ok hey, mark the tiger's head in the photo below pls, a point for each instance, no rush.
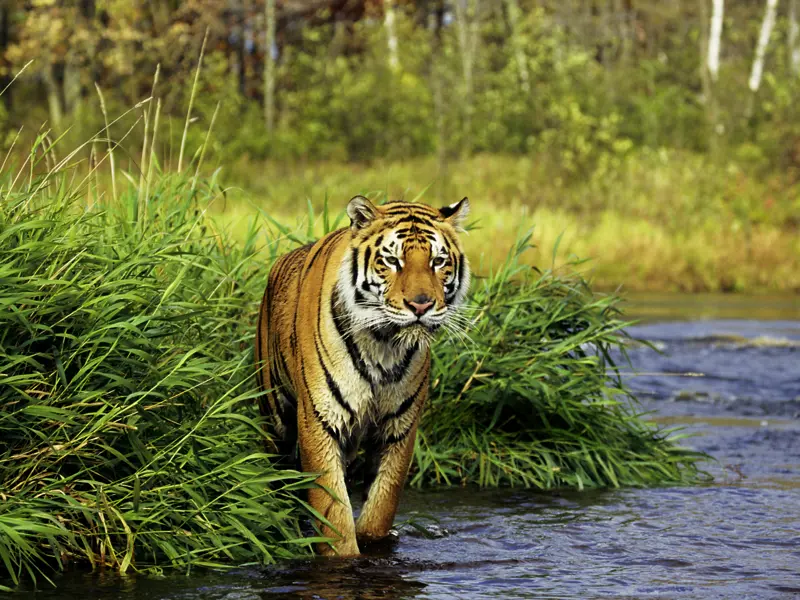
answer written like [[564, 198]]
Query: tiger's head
[[405, 274]]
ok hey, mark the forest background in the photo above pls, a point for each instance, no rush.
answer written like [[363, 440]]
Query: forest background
[[659, 138]]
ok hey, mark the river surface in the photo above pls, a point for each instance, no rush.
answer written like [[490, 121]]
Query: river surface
[[729, 374]]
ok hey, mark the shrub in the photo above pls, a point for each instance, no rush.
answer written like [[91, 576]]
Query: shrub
[[127, 392]]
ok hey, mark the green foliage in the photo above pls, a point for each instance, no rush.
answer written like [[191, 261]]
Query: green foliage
[[578, 86], [127, 410], [130, 437], [534, 398]]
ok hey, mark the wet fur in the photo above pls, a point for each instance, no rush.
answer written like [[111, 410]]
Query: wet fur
[[343, 358]]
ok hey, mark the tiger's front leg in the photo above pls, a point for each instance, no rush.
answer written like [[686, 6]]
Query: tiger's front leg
[[383, 495], [320, 452]]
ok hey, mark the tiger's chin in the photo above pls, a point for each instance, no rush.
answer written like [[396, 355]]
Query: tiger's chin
[[405, 335], [416, 333]]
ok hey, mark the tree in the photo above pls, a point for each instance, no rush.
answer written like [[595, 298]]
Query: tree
[[269, 66], [715, 36], [767, 26]]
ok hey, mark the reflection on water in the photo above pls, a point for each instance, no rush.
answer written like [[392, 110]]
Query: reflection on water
[[739, 537]]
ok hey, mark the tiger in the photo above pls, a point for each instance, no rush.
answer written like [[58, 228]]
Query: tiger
[[343, 354]]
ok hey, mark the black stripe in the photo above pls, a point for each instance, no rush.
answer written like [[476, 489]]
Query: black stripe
[[385, 333], [328, 429], [396, 373], [412, 208], [367, 256], [378, 240], [276, 400], [352, 348], [319, 312], [461, 270], [415, 219], [447, 244], [354, 266], [289, 396], [325, 425], [324, 244], [360, 297], [393, 439], [332, 386], [451, 294], [406, 404]]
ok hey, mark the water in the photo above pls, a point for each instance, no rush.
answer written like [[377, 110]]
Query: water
[[735, 383]]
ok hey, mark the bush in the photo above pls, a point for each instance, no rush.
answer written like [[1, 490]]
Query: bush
[[535, 397], [127, 398], [128, 421]]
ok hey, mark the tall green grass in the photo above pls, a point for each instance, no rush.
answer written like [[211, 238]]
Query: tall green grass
[[534, 397], [129, 433], [130, 437]]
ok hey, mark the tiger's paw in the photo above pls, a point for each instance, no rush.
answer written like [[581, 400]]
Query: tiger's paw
[[342, 549]]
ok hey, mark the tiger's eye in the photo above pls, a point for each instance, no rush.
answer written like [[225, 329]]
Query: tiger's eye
[[439, 261], [392, 262]]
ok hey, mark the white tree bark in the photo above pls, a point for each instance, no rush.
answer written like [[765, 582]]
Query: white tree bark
[[794, 33], [391, 33], [767, 26], [715, 36]]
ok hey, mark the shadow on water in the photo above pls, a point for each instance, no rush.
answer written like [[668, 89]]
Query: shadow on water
[[738, 537]]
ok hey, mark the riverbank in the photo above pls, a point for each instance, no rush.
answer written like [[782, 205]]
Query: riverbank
[[654, 221], [128, 394], [727, 539]]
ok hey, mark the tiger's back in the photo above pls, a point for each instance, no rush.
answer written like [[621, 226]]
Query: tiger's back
[[276, 317], [343, 352]]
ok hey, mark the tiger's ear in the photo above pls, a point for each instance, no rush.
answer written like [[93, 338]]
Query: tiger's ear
[[456, 214], [361, 212]]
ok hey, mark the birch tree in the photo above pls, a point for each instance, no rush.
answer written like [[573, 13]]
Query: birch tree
[[715, 36], [767, 26], [391, 33], [709, 101], [794, 32]]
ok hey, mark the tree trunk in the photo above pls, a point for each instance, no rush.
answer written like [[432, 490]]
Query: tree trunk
[[54, 102], [794, 32], [709, 100], [467, 27], [715, 37], [435, 22], [73, 87], [5, 30], [391, 33], [761, 49], [269, 68]]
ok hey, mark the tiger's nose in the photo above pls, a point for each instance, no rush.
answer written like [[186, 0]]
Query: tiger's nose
[[420, 304]]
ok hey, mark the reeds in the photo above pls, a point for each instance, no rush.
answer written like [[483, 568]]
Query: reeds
[[534, 397], [129, 436], [129, 433]]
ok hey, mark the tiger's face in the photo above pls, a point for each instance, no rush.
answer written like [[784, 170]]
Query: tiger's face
[[405, 275]]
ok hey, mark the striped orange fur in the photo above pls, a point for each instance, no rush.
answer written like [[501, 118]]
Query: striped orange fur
[[342, 349]]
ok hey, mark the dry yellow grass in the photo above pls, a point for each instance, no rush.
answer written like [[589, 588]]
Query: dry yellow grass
[[654, 223]]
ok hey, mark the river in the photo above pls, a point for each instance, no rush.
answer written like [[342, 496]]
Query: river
[[729, 373]]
